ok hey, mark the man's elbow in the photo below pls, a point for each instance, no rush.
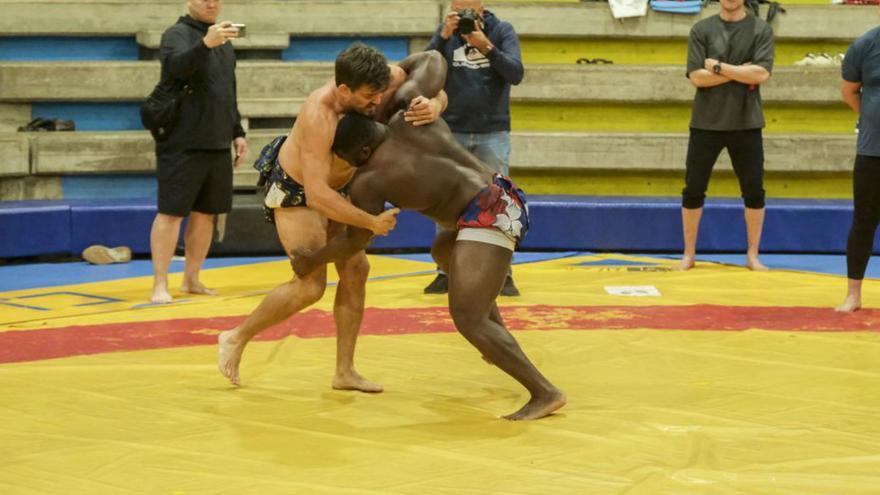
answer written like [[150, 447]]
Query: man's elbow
[[695, 80], [763, 76], [317, 201], [518, 76]]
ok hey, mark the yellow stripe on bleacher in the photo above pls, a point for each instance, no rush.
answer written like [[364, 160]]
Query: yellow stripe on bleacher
[[606, 117], [650, 51], [836, 185]]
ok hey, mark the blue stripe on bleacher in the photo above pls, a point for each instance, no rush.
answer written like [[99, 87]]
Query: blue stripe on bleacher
[[108, 186], [91, 116], [326, 49], [33, 48]]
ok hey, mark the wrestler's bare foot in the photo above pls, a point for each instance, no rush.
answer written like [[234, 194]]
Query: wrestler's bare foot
[[351, 380], [488, 361], [754, 264], [161, 294], [850, 304], [539, 406], [230, 350], [687, 262], [196, 287]]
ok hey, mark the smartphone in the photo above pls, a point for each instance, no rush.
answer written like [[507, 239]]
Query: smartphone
[[242, 29]]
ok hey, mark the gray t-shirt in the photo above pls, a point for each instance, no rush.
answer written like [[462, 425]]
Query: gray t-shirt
[[862, 65], [731, 106]]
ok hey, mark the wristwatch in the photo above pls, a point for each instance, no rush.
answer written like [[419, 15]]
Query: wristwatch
[[717, 68]]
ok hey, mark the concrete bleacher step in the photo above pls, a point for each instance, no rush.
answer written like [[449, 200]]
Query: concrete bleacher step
[[97, 152], [403, 18], [114, 81], [16, 155], [802, 22], [257, 40], [316, 18], [37, 228]]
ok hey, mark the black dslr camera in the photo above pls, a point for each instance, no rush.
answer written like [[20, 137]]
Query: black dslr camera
[[467, 21]]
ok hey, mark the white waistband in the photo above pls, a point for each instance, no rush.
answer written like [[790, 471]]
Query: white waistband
[[487, 236]]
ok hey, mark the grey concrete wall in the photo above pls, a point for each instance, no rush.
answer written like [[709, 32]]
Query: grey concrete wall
[[14, 115], [338, 17], [84, 152], [656, 84], [32, 187], [261, 80], [16, 155], [92, 152]]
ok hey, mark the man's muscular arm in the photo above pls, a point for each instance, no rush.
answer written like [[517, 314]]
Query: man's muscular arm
[[417, 85], [352, 240], [314, 142]]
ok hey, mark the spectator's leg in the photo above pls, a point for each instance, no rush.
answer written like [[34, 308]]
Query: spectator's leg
[[180, 179], [197, 241], [866, 216], [163, 240], [703, 150], [746, 149], [214, 198]]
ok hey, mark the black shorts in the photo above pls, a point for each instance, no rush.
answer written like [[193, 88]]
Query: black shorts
[[194, 180]]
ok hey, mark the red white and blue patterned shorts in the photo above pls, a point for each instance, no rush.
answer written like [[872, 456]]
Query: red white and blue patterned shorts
[[498, 214]]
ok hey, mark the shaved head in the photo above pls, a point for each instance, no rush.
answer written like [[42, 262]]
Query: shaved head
[[467, 4]]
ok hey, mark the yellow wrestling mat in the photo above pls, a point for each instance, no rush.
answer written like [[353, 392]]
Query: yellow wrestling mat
[[714, 381]]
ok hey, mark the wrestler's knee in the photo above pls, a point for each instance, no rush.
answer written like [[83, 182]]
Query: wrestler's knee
[[466, 317], [312, 288], [355, 270]]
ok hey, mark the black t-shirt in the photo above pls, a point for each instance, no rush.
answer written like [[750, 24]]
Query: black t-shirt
[[732, 106]]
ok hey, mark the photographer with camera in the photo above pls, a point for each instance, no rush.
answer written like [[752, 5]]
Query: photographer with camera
[[193, 115], [483, 57]]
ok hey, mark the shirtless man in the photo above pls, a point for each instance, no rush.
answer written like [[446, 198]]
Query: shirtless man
[[426, 170], [305, 203]]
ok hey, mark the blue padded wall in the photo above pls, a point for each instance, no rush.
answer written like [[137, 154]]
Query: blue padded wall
[[92, 116], [112, 223], [326, 49], [31, 228], [58, 48]]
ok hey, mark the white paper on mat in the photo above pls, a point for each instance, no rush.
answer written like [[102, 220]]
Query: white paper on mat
[[632, 290]]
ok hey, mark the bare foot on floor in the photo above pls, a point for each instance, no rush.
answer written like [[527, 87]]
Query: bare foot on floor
[[850, 304], [197, 288], [161, 295], [229, 356], [538, 407], [353, 381], [755, 264], [686, 263]]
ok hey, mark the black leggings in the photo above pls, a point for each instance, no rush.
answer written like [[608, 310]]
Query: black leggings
[[866, 215], [746, 150]]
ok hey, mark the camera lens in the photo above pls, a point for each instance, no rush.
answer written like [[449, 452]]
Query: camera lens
[[467, 21]]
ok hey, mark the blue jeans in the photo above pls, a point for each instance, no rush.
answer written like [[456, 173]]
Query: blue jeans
[[492, 148]]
